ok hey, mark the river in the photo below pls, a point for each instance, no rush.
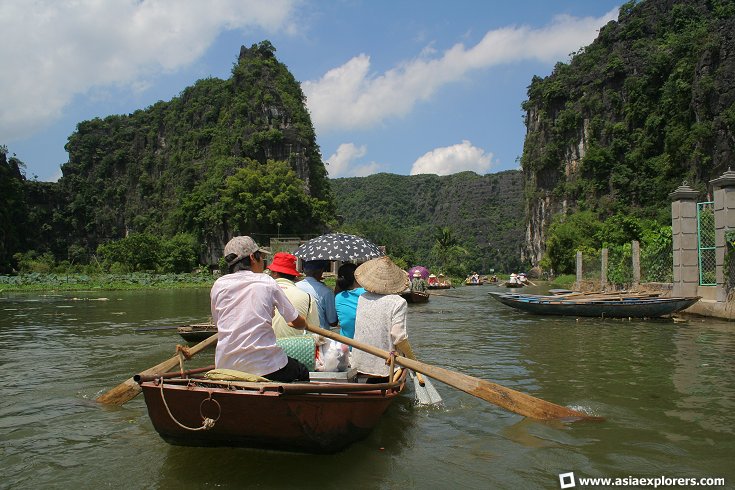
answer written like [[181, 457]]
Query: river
[[666, 390]]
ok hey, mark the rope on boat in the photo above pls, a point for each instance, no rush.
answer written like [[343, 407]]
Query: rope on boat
[[207, 422]]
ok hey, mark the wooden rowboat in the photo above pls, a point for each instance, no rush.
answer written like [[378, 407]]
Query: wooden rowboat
[[620, 306], [196, 332], [415, 296], [509, 284], [321, 416], [439, 286]]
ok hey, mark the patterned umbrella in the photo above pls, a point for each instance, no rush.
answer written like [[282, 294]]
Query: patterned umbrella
[[338, 246], [422, 270]]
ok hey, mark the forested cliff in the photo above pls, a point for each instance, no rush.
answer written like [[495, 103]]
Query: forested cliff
[[649, 104], [197, 164]]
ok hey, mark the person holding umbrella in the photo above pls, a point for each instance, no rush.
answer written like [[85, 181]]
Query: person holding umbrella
[[312, 284], [381, 316]]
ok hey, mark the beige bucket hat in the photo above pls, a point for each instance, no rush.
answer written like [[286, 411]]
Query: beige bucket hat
[[381, 276]]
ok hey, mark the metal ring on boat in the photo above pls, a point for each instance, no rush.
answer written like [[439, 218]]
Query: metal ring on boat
[[210, 399]]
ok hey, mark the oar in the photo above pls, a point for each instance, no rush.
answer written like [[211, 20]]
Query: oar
[[448, 295], [150, 329], [129, 389], [507, 398]]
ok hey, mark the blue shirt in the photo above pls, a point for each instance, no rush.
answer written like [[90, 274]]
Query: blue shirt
[[346, 303], [324, 299]]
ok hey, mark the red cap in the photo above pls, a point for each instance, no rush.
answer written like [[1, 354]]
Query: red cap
[[285, 263]]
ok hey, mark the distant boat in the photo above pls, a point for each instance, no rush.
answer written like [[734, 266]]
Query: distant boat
[[439, 286], [415, 296], [196, 332], [606, 306], [509, 284]]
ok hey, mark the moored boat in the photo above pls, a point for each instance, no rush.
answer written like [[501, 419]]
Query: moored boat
[[622, 306], [321, 416]]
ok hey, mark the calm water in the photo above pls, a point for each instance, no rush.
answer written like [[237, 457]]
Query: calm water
[[667, 391]]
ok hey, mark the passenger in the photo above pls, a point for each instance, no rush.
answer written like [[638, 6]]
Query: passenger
[[283, 270], [381, 317], [433, 281], [348, 291], [242, 304], [313, 285], [418, 283], [513, 278]]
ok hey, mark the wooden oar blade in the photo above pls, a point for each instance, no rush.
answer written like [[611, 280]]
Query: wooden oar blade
[[129, 389]]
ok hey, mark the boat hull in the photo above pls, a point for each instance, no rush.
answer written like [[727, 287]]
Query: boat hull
[[302, 422], [195, 333], [416, 297], [609, 308]]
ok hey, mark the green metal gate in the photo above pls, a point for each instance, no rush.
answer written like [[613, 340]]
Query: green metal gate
[[706, 243]]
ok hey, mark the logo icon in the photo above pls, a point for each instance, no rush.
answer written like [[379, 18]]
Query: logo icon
[[566, 480]]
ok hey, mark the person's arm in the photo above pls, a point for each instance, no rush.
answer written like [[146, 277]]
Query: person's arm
[[299, 323]]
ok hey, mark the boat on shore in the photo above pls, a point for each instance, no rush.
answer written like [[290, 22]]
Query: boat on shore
[[324, 415], [415, 296], [605, 306]]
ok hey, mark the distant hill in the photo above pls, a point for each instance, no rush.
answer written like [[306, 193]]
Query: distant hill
[[485, 212]]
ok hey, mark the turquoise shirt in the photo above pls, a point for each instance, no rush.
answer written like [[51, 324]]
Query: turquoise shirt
[[346, 304]]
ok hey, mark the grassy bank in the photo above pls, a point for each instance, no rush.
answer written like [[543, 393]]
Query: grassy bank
[[77, 282]]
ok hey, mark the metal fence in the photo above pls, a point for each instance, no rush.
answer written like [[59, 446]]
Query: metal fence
[[626, 266], [706, 243]]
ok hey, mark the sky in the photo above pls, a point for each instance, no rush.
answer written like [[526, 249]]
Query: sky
[[405, 87]]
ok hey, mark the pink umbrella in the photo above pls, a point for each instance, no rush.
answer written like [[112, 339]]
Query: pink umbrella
[[422, 270]]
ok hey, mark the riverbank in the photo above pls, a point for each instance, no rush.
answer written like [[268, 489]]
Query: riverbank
[[105, 282]]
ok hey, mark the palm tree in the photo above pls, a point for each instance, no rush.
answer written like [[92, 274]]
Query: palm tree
[[445, 246]]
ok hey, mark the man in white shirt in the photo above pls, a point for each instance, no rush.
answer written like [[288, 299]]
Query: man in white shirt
[[313, 285], [242, 303]]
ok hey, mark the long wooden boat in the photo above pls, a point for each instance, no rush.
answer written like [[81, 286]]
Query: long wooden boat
[[415, 296], [321, 416], [509, 284], [621, 306], [196, 332], [470, 283]]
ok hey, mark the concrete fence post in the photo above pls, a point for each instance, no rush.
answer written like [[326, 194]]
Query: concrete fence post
[[603, 270], [636, 259], [684, 241], [579, 270]]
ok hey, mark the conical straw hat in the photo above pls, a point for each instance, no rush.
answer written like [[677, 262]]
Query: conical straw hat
[[381, 276]]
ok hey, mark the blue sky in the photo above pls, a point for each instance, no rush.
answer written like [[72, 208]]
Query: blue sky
[[392, 86]]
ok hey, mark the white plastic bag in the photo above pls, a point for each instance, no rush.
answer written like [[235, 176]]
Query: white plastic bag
[[333, 356]]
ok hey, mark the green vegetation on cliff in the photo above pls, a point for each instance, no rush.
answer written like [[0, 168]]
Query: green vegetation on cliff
[[187, 166], [421, 217], [647, 105]]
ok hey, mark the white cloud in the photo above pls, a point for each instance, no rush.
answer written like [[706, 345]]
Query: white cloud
[[352, 97], [453, 159], [62, 49], [343, 162]]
